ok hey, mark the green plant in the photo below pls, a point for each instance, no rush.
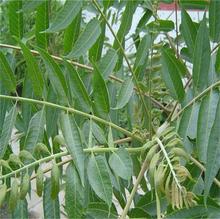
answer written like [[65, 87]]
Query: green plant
[[123, 131]]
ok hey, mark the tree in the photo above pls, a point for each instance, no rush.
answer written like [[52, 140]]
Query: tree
[[133, 128]]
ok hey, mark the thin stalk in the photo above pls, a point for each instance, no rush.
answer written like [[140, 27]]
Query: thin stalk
[[125, 57], [168, 162], [72, 110]]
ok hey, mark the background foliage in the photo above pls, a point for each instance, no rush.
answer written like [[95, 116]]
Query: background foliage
[[127, 126]]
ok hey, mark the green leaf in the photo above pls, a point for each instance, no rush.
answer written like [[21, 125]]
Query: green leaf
[[99, 178], [170, 73], [7, 128], [7, 76], [35, 131], [74, 194], [31, 5], [21, 210], [214, 20], [194, 4], [86, 39], [107, 63], [205, 122], [100, 95], [56, 76], [125, 93], [161, 25], [71, 33], [51, 207], [65, 17], [201, 59], [121, 162], [78, 89], [34, 71], [99, 210], [15, 18], [188, 30], [72, 137], [217, 62], [213, 153], [41, 24]]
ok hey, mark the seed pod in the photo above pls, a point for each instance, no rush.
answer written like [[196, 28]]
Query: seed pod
[[14, 195], [152, 166], [39, 182], [151, 153], [24, 186], [180, 152], [167, 188], [14, 159], [55, 181], [3, 191], [180, 199], [5, 164], [25, 155], [173, 195], [41, 148], [174, 142]]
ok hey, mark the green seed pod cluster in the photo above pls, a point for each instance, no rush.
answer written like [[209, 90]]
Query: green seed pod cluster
[[24, 187], [39, 182]]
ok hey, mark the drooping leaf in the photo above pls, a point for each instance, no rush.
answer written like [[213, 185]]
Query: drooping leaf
[[99, 178], [78, 89], [205, 122], [65, 17], [42, 23], [86, 39], [121, 162], [213, 153], [217, 62], [51, 207], [125, 93], [7, 128], [21, 210], [74, 193], [100, 210], [201, 59], [100, 95], [35, 130], [33, 70], [7, 76], [188, 30], [214, 20], [15, 18], [56, 76], [72, 138], [171, 76], [107, 63], [71, 33]]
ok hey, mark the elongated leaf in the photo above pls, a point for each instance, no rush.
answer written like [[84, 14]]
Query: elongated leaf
[[35, 130], [107, 63], [15, 18], [7, 76], [86, 39], [100, 210], [217, 62], [100, 95], [205, 122], [34, 71], [142, 53], [121, 159], [194, 4], [42, 23], [78, 89], [161, 25], [7, 130], [31, 5], [51, 207], [125, 93], [188, 30], [72, 137], [99, 178], [71, 33], [65, 17], [201, 59], [213, 153], [214, 20], [75, 194], [21, 210], [171, 75], [56, 76]]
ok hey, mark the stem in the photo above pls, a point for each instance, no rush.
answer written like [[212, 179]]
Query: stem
[[125, 57], [69, 109], [168, 162], [134, 190]]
